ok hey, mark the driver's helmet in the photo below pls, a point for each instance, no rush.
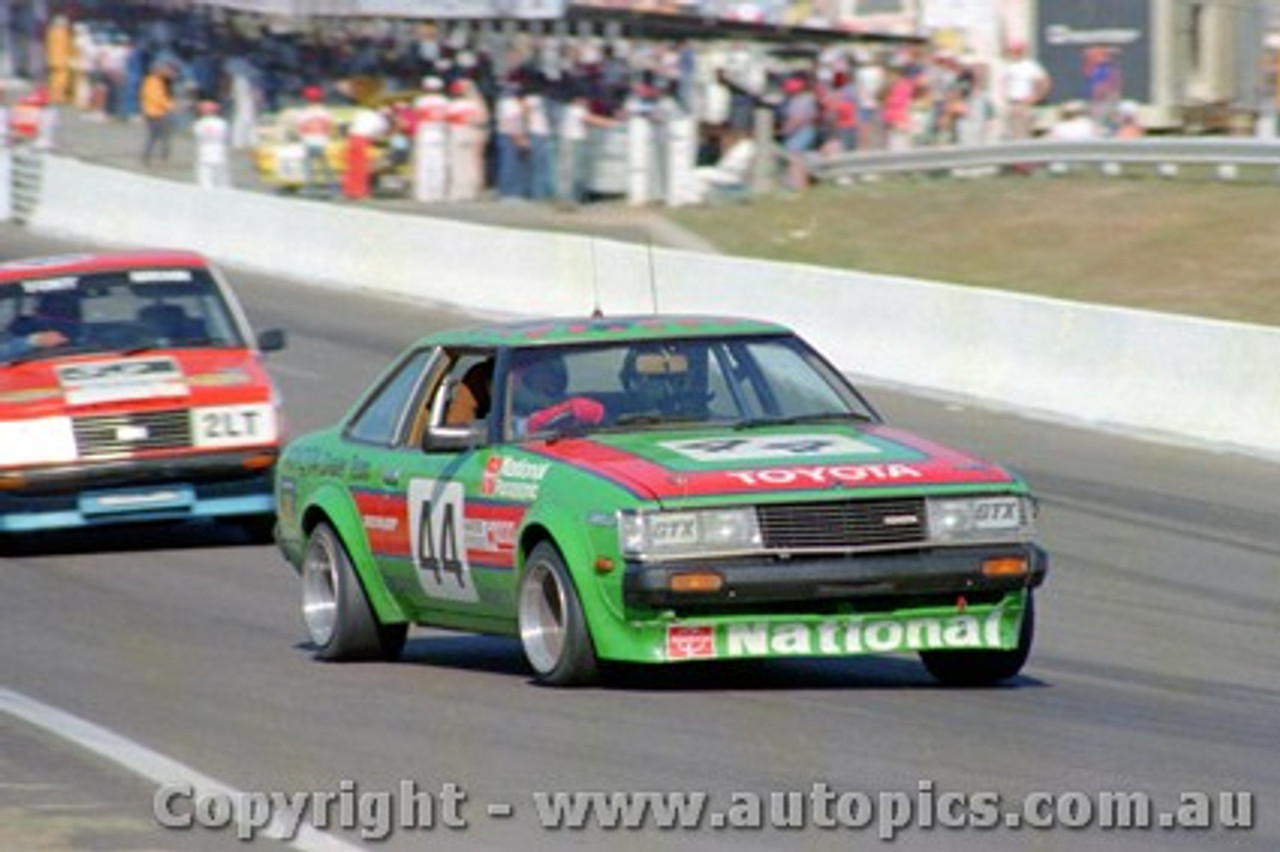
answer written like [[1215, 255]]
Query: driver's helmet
[[539, 379], [658, 377], [58, 310]]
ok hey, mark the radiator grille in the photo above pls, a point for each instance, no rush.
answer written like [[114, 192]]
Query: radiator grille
[[122, 434], [842, 525]]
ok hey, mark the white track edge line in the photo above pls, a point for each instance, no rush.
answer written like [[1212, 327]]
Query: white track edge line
[[154, 766]]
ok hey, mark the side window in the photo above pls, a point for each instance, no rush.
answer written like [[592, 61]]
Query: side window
[[379, 422], [463, 397]]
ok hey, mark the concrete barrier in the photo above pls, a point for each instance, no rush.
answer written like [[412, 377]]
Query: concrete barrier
[[1176, 377]]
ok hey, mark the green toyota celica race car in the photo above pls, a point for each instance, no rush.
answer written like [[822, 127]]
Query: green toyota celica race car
[[651, 489]]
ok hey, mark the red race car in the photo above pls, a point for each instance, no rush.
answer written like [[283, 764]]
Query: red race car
[[132, 389]]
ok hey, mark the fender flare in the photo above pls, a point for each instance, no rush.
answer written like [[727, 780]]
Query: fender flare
[[333, 504]]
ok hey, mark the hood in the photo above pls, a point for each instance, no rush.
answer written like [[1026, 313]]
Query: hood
[[774, 463], [108, 383]]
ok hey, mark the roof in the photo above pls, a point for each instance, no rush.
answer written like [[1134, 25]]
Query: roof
[[662, 25], [570, 330], [79, 264]]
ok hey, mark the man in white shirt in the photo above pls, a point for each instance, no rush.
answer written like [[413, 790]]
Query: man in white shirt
[[576, 122], [430, 142], [313, 125], [211, 134], [1026, 84]]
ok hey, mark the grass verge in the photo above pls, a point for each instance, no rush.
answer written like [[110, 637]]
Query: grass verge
[[1191, 245]]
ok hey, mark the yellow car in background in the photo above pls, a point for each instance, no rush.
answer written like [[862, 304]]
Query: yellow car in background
[[279, 157]]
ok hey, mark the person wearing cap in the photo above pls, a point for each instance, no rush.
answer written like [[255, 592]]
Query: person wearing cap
[[468, 122], [1129, 125], [212, 134], [1026, 84], [55, 321], [157, 109], [313, 126], [430, 142], [799, 129]]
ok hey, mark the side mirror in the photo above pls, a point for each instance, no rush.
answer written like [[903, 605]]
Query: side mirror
[[453, 438], [272, 340]]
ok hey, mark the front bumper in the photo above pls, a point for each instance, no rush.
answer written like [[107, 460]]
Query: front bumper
[[174, 487], [868, 581], [907, 628]]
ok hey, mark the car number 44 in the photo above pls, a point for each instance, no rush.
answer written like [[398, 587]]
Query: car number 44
[[439, 550]]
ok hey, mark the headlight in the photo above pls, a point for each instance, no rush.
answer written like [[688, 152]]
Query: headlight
[[46, 440], [958, 519], [695, 533]]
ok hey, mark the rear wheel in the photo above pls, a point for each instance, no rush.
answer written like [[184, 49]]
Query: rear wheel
[[983, 668], [553, 629], [337, 614]]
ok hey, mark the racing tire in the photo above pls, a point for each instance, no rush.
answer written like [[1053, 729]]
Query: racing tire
[[553, 629], [984, 668], [337, 614]]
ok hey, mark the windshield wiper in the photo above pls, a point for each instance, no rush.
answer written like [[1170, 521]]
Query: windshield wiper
[[45, 353], [182, 343], [796, 419], [640, 418]]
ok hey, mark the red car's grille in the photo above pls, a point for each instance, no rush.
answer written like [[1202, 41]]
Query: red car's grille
[[842, 525], [122, 434]]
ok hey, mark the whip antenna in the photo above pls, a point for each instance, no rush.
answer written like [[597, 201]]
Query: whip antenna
[[653, 279], [596, 310]]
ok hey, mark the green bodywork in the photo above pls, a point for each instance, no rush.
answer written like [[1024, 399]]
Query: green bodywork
[[490, 504]]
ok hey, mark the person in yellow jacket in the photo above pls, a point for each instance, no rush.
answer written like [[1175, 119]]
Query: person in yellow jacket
[[157, 108], [59, 47]]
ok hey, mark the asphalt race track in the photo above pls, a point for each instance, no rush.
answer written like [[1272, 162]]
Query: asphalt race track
[[1155, 669]]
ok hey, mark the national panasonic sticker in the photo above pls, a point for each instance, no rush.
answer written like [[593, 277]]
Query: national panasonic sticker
[[512, 478], [832, 637]]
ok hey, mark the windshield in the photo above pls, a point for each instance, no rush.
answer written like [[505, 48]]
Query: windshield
[[739, 381], [127, 311]]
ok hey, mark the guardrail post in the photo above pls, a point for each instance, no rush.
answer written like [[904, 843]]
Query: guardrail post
[[27, 166], [6, 182], [763, 168]]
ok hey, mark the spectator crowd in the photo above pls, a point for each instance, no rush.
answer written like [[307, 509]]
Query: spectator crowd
[[467, 110]]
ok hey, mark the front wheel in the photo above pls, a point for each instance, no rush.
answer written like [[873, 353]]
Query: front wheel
[[983, 668], [339, 619], [553, 629]]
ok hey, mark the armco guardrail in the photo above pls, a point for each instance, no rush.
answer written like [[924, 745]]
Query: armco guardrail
[[27, 164], [1157, 152], [1180, 377]]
